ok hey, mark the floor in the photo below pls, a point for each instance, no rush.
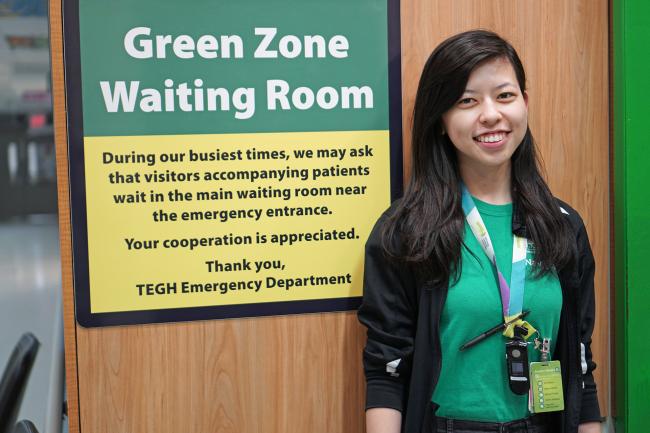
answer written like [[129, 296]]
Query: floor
[[30, 301]]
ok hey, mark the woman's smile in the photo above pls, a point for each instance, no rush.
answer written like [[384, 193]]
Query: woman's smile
[[492, 140]]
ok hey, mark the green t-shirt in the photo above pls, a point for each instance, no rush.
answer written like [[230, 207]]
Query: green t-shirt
[[473, 384]]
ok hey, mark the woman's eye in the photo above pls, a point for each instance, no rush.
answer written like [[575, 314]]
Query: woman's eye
[[465, 101], [506, 95]]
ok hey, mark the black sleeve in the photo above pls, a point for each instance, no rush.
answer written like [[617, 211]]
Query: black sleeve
[[589, 410], [389, 312]]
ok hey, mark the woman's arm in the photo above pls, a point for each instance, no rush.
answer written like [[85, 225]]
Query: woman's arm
[[589, 411], [385, 420], [588, 427], [388, 311]]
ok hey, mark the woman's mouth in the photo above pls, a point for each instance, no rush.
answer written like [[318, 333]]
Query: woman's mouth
[[491, 140]]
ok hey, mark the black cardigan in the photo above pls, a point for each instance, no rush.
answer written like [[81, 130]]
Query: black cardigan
[[402, 314]]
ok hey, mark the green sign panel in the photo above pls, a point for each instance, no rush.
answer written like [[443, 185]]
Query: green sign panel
[[228, 158]]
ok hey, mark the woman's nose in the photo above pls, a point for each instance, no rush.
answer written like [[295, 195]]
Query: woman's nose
[[489, 113]]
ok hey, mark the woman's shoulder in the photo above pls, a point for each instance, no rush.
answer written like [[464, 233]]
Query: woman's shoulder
[[392, 208], [380, 224], [571, 214], [577, 227], [388, 213]]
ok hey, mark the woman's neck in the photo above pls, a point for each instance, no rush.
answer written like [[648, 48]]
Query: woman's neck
[[489, 184]]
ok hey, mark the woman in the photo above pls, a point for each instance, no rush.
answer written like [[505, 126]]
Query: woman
[[477, 241]]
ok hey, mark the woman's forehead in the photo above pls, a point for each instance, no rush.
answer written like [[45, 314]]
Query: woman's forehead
[[493, 74]]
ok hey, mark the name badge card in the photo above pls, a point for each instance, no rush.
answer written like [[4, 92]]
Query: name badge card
[[546, 387]]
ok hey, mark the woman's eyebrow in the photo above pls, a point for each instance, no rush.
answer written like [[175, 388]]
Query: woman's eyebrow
[[500, 86], [506, 84]]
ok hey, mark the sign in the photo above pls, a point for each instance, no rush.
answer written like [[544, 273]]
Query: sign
[[228, 158]]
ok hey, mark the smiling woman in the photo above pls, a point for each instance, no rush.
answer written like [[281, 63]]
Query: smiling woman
[[477, 240]]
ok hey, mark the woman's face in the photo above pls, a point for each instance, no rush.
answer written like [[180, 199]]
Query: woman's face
[[490, 119]]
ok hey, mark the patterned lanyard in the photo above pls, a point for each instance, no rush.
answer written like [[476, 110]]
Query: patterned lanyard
[[512, 296]]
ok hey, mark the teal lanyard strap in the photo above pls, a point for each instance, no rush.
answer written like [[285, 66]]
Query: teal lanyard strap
[[512, 296]]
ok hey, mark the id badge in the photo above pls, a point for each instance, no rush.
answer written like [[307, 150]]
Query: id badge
[[546, 387]]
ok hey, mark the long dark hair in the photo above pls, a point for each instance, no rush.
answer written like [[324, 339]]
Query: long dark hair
[[429, 219]]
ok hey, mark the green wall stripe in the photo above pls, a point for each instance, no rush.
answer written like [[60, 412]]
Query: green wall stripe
[[631, 21]]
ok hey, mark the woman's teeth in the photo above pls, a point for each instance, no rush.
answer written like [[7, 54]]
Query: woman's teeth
[[490, 138]]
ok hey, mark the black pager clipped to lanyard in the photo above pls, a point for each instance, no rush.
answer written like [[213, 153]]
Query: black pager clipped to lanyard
[[517, 360]]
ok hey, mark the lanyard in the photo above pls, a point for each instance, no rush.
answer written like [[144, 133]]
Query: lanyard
[[512, 296]]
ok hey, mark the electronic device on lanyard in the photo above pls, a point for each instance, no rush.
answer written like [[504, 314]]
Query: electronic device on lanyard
[[517, 361]]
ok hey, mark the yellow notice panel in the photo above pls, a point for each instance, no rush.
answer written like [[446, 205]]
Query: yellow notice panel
[[177, 221]]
